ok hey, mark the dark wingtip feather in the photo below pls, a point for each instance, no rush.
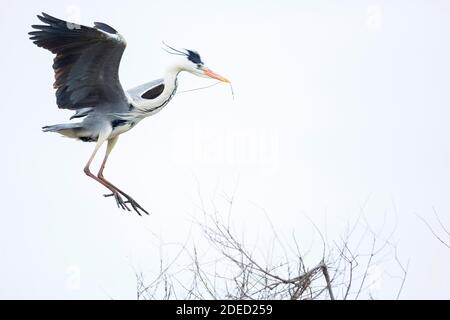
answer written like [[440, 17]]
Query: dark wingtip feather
[[43, 19], [39, 27], [51, 18], [104, 27]]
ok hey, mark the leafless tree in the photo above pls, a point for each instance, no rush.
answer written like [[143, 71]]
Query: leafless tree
[[231, 269], [441, 233]]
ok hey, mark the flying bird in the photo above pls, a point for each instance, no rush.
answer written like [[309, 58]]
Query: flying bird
[[86, 68]]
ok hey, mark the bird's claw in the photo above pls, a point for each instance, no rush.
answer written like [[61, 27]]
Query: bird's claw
[[136, 206], [123, 204]]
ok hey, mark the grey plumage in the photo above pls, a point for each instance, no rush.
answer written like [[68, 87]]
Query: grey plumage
[[80, 113], [68, 129]]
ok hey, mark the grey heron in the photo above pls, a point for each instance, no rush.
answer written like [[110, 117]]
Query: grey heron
[[86, 69]]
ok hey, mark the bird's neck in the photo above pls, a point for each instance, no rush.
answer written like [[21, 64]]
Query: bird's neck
[[170, 84], [152, 106]]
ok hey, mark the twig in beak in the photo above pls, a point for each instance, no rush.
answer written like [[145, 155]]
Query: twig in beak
[[232, 91]]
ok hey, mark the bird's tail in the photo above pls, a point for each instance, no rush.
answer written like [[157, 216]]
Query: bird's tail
[[66, 129], [58, 127]]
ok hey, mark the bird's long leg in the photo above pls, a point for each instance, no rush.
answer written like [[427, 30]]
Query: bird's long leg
[[111, 143], [101, 139]]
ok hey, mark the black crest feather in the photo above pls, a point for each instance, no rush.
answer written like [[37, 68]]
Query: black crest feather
[[194, 57]]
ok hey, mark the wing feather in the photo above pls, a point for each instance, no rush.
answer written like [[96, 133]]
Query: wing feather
[[86, 65]]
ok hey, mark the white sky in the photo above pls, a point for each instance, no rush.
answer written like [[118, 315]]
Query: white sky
[[337, 104]]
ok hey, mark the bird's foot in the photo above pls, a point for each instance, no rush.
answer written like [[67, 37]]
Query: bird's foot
[[129, 200], [119, 200]]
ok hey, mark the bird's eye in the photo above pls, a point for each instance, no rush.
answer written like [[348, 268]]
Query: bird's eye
[[199, 65]]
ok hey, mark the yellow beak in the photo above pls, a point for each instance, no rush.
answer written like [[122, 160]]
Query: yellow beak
[[211, 74]]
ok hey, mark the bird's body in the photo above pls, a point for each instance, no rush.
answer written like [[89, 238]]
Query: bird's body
[[157, 95], [87, 81]]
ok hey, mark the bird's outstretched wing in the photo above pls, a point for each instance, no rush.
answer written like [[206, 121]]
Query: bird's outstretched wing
[[86, 64]]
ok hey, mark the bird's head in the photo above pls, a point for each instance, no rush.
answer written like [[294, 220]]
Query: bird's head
[[192, 62]]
